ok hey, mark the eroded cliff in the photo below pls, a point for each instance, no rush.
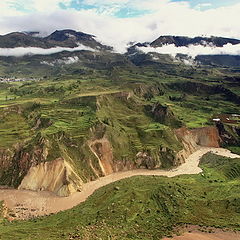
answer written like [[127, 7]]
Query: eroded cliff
[[192, 139], [56, 176]]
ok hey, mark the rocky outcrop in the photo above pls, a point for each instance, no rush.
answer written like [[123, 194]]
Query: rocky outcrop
[[56, 176], [148, 92], [145, 160], [164, 157], [229, 134], [162, 114]]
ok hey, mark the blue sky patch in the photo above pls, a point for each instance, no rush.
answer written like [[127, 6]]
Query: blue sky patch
[[77, 4], [127, 10], [19, 6], [114, 9], [130, 12]]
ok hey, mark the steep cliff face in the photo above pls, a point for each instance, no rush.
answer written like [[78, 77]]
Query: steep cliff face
[[192, 139], [56, 176], [101, 145], [36, 166], [102, 149], [16, 162], [206, 136]]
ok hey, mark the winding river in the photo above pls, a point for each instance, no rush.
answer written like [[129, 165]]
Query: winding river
[[25, 203]]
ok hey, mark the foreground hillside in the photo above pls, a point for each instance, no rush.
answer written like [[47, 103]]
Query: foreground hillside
[[145, 207]]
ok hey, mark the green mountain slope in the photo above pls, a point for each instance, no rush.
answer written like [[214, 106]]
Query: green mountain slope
[[109, 120]]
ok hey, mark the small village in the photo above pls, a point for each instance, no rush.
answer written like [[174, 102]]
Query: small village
[[6, 79]]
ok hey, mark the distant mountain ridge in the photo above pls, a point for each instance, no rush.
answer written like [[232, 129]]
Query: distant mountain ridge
[[63, 38], [141, 58], [180, 41], [102, 55], [71, 38]]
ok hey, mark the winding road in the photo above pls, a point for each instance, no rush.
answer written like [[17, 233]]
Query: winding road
[[25, 204]]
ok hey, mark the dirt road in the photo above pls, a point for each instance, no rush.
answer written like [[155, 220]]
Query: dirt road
[[25, 203]]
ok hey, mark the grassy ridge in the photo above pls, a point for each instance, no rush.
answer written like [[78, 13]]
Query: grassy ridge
[[144, 207]]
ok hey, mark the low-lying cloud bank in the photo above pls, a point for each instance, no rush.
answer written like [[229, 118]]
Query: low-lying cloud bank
[[194, 50], [66, 60], [21, 51]]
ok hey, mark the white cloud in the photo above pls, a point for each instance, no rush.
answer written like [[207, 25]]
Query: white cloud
[[66, 60], [203, 5], [166, 18], [21, 51], [194, 50]]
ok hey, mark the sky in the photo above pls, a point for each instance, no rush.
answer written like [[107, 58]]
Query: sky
[[118, 22]]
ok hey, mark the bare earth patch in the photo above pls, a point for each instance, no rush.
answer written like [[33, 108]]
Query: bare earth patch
[[197, 233]]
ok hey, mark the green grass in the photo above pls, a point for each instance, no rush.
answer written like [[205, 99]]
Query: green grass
[[234, 149], [13, 128]]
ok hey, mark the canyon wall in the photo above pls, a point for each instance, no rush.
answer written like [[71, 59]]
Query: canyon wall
[[194, 138]]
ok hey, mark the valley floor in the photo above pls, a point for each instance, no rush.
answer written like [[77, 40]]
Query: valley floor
[[26, 204]]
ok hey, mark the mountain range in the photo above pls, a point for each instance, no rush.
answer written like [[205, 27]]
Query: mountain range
[[71, 38], [71, 47]]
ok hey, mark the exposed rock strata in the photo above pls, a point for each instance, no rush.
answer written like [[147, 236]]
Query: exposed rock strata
[[56, 176], [192, 139], [102, 149]]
